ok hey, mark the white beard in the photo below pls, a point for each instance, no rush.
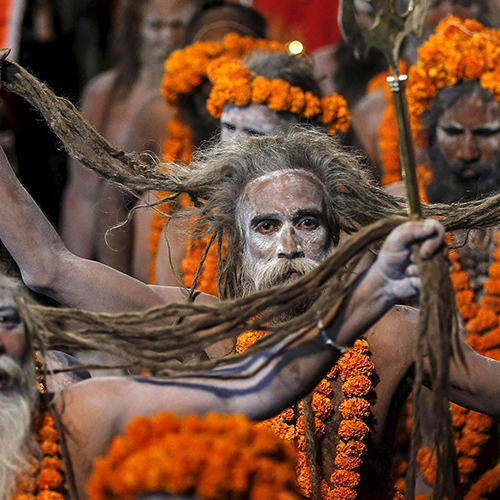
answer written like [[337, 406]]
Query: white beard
[[257, 277], [16, 409]]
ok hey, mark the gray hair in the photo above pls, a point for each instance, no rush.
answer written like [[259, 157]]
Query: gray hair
[[217, 177]]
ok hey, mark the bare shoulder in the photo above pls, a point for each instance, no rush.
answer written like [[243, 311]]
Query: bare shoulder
[[147, 129], [178, 294], [86, 398], [95, 95], [90, 413], [393, 337], [100, 84]]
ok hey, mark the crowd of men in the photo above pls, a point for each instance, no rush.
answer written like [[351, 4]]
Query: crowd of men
[[242, 224]]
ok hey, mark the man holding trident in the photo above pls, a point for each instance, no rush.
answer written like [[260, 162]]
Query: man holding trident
[[438, 325]]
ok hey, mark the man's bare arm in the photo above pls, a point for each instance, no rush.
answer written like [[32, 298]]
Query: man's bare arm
[[48, 267], [475, 384]]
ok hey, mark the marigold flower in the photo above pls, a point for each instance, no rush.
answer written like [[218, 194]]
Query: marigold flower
[[49, 495], [344, 494], [348, 463], [357, 386], [351, 448], [353, 429], [49, 479], [345, 478], [352, 364], [49, 448], [355, 408]]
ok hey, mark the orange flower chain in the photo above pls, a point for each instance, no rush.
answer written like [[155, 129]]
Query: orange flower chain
[[186, 69], [44, 480], [355, 369], [235, 84], [215, 456], [177, 147]]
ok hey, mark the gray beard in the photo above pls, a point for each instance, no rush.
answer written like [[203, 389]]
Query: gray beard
[[257, 277], [17, 403]]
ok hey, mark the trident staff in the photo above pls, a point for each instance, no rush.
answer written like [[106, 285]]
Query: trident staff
[[394, 20]]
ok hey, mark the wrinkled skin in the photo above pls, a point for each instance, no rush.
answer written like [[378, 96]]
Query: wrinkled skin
[[466, 157]]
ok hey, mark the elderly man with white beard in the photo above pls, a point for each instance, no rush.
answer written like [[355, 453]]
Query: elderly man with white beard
[[284, 201]]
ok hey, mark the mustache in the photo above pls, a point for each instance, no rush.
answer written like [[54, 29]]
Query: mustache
[[278, 271], [479, 169]]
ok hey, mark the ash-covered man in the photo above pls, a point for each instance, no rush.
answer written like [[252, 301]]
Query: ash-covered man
[[94, 411], [279, 202], [149, 31]]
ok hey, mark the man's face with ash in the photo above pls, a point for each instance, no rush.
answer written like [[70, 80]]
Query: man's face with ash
[[17, 392], [466, 158], [255, 119], [163, 27], [283, 222]]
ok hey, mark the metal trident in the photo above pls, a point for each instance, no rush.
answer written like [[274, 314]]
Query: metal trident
[[394, 19]]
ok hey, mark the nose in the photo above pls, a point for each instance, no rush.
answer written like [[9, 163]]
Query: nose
[[289, 247], [468, 150]]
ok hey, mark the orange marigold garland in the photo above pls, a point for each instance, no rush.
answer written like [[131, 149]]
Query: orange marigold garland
[[472, 429], [215, 456], [186, 69], [43, 479], [355, 369], [177, 147], [233, 83]]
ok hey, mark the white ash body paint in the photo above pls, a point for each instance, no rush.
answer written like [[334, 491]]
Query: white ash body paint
[[254, 119], [285, 235]]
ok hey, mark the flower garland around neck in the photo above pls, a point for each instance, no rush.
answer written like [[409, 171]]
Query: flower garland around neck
[[355, 369], [233, 83], [43, 479], [185, 70], [214, 456], [458, 51]]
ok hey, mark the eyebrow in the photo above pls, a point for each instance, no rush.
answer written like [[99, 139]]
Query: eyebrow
[[296, 215], [252, 131], [260, 217], [491, 127], [307, 211]]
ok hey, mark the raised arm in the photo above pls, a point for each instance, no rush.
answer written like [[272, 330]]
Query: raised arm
[[48, 267]]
